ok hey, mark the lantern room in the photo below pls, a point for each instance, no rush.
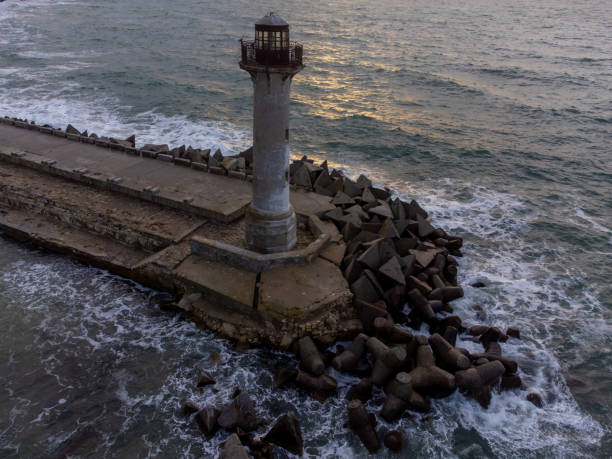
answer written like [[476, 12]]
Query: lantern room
[[271, 33], [271, 46]]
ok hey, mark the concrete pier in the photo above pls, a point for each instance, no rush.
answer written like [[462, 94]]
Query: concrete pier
[[174, 228]]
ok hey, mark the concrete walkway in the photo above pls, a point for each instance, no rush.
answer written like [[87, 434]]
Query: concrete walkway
[[96, 205], [214, 196]]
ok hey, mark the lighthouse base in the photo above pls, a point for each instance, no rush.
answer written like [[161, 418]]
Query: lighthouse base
[[266, 234]]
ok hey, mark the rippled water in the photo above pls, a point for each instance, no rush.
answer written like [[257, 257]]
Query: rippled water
[[497, 116]]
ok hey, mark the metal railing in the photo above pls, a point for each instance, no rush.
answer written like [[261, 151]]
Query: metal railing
[[290, 56]]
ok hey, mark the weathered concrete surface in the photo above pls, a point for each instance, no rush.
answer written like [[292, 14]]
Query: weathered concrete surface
[[222, 283], [300, 290], [234, 255], [313, 304], [150, 243], [128, 220], [82, 245], [209, 195], [216, 196], [334, 253], [306, 204]]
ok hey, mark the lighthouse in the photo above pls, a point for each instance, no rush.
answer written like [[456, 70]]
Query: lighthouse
[[272, 61]]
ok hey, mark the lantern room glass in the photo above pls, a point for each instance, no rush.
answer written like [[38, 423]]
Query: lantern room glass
[[271, 40]]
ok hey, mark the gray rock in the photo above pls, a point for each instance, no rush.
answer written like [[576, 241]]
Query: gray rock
[[380, 193], [218, 155], [419, 403], [392, 270], [247, 155], [284, 377], [368, 312], [233, 449], [70, 129], [207, 421], [415, 210], [350, 231], [335, 215], [398, 209], [240, 412], [360, 423], [310, 357], [372, 257], [361, 391], [425, 228], [513, 332], [178, 152], [301, 176], [363, 182], [383, 210], [322, 183], [190, 407], [536, 399], [367, 196], [358, 211], [393, 440], [363, 290], [205, 379], [374, 280], [420, 305], [156, 147], [349, 358], [313, 170], [212, 162], [287, 434], [229, 164], [317, 384], [342, 199], [351, 188], [388, 229], [449, 357], [424, 257], [350, 218]]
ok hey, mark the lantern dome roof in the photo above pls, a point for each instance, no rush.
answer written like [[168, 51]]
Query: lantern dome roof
[[272, 19]]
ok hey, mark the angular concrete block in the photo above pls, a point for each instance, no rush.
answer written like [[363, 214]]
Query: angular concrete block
[[182, 162], [225, 284], [164, 157], [298, 291]]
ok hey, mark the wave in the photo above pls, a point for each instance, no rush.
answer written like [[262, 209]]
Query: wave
[[107, 117]]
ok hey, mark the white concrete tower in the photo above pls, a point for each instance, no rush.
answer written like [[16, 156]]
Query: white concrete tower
[[272, 61]]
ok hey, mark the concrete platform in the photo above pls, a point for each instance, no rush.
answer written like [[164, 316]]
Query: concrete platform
[[223, 284], [48, 198], [209, 195], [300, 291], [82, 245]]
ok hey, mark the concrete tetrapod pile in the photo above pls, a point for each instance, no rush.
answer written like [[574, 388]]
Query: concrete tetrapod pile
[[240, 418], [403, 274]]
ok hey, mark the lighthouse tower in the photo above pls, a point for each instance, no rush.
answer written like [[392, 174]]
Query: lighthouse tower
[[272, 61]]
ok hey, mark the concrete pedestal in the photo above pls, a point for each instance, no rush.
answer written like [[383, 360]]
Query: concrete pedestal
[[271, 234]]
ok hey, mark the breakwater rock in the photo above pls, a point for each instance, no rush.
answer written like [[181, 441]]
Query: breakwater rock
[[400, 269]]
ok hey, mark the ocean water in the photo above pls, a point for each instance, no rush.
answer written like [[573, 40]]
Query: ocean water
[[496, 116]]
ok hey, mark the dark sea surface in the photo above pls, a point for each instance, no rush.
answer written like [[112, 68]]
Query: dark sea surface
[[496, 116]]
